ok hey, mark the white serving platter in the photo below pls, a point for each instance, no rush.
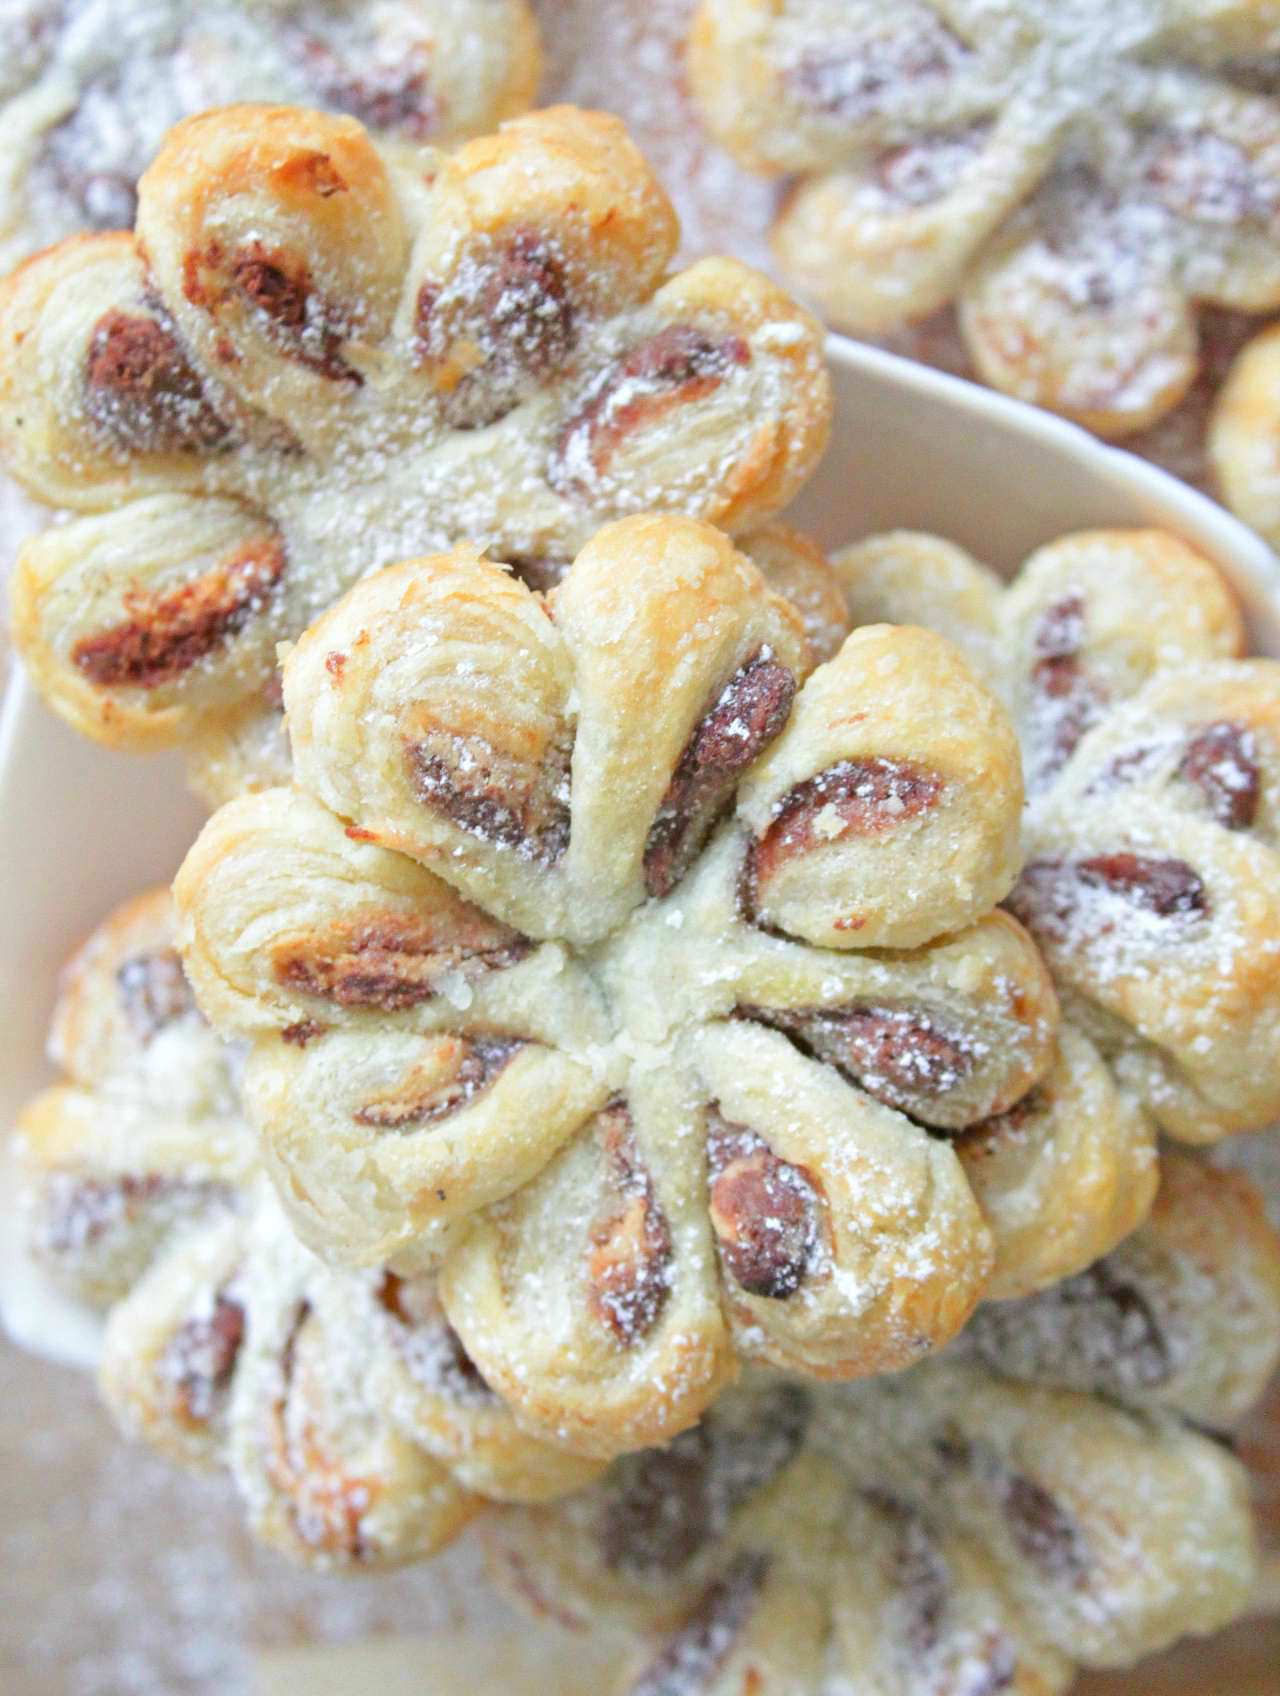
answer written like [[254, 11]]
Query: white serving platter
[[82, 828]]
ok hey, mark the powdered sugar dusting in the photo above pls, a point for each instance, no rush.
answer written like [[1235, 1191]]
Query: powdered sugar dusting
[[134, 1579], [109, 77], [629, 58]]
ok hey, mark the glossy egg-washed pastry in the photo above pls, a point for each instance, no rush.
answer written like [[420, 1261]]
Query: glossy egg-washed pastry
[[1078, 179], [1152, 839], [316, 356], [1057, 1490], [89, 87], [611, 958], [357, 1429]]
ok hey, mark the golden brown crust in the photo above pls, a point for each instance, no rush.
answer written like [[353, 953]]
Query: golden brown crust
[[1185, 1313], [142, 1140], [135, 633], [601, 1364], [272, 313], [1163, 926], [119, 991], [1094, 616], [1065, 1174], [245, 751], [353, 936], [359, 1430], [941, 161], [835, 1274], [86, 101], [908, 577], [63, 439], [547, 817], [869, 776], [512, 822], [1151, 758], [795, 567], [1041, 1501], [317, 356], [1243, 435], [958, 1517]]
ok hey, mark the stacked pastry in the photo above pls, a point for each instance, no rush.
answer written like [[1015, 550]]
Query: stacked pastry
[[88, 88], [1058, 1489], [485, 889], [1151, 748], [356, 1427], [312, 360], [614, 1030], [1057, 1493], [1076, 182]]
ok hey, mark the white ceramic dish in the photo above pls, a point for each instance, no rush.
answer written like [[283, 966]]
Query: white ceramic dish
[[80, 828]]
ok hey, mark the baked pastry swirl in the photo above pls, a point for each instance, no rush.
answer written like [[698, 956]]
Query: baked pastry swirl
[[316, 356], [1152, 751], [250, 748], [1244, 435], [1077, 179], [89, 87], [357, 1429], [143, 1135], [1061, 1492], [609, 957]]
